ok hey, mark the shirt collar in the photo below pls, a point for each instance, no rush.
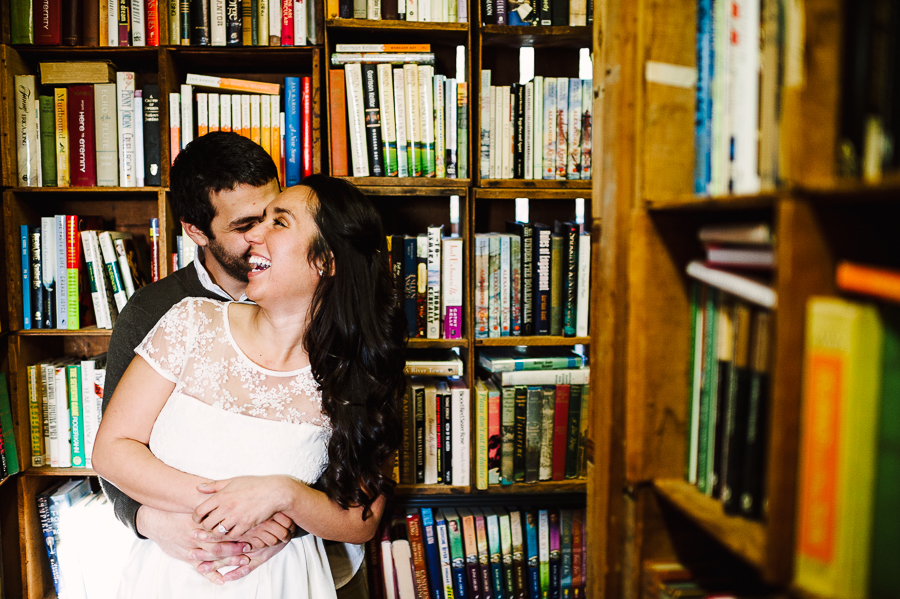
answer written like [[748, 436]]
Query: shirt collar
[[206, 280]]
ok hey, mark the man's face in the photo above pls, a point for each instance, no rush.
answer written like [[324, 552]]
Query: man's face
[[237, 211]]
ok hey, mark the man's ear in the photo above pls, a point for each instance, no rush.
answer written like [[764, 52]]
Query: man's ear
[[198, 236]]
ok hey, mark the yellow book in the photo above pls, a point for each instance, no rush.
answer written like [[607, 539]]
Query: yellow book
[[245, 116], [61, 102], [35, 416], [481, 435], [276, 135], [838, 436], [254, 118], [265, 124]]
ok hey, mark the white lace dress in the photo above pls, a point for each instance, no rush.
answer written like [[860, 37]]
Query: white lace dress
[[227, 417]]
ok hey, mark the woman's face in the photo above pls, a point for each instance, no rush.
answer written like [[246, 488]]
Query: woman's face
[[279, 249]]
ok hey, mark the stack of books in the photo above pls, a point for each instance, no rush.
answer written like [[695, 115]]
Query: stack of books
[[399, 118], [479, 552], [59, 289], [137, 23], [539, 130], [574, 13], [436, 11], [9, 456], [532, 281], [65, 397], [740, 245], [531, 416], [428, 272], [285, 133], [103, 134]]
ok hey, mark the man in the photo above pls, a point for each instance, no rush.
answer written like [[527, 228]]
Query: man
[[220, 184]]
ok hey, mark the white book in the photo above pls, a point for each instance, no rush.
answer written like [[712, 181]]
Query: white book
[[412, 10], [440, 143], [187, 114], [749, 289], [94, 262], [433, 311], [576, 376], [537, 132], [138, 24], [505, 285], [63, 418], [424, 10], [125, 111], [506, 133], [175, 123], [445, 10], [255, 121], [545, 464], [122, 257], [217, 22], [300, 24], [451, 105], [452, 286], [431, 433], [214, 111], [462, 11], [139, 138], [744, 93], [106, 134], [29, 158], [496, 161], [111, 263], [437, 11], [443, 544], [225, 112], [573, 155], [549, 128], [562, 118], [402, 557], [274, 21], [577, 13], [493, 273], [485, 102], [373, 10], [403, 140], [583, 300], [90, 409], [426, 117], [387, 111], [482, 287], [387, 566], [543, 536], [236, 113], [356, 125], [459, 404], [36, 135], [587, 127], [529, 130], [112, 28], [246, 120], [265, 124], [413, 118]]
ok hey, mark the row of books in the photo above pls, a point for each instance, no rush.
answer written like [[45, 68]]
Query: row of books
[[137, 23], [428, 272], [539, 130], [739, 245], [454, 553], [9, 455], [574, 13], [65, 397], [86, 546], [399, 121], [531, 281], [104, 135], [666, 579], [849, 472], [62, 291], [437, 11], [282, 125]]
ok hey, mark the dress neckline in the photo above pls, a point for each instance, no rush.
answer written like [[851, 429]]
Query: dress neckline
[[240, 352]]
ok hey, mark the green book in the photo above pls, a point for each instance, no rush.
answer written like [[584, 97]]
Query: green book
[[174, 23], [48, 141], [11, 456], [581, 453], [557, 251], [533, 420], [708, 393], [21, 17], [76, 408], [254, 22], [455, 540], [521, 407], [544, 551], [883, 580], [572, 429], [693, 414]]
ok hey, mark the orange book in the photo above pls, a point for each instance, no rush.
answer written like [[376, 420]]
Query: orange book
[[869, 280], [338, 123], [174, 125], [414, 530], [238, 85]]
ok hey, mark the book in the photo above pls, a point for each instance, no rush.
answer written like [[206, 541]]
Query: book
[[440, 362], [417, 547], [868, 280], [457, 553], [560, 431], [736, 412], [47, 118], [533, 430], [519, 555], [460, 429], [82, 169], [452, 287], [470, 547], [481, 435], [356, 120], [578, 376], [60, 99], [293, 165], [740, 257], [404, 141], [49, 273], [126, 128], [231, 84], [433, 297], [112, 269], [542, 280], [754, 457], [532, 553], [433, 561], [522, 358], [741, 286], [7, 434], [386, 119], [494, 432], [737, 233], [484, 559], [27, 141], [548, 407]]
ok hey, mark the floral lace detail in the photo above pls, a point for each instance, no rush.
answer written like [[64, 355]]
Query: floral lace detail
[[192, 346]]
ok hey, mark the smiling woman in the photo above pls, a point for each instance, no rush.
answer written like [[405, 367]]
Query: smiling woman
[[306, 378]]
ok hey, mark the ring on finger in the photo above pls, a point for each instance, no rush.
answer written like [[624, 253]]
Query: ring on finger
[[222, 529]]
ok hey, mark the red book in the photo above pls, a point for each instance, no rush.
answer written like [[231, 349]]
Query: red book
[[48, 23], [82, 153], [417, 547], [152, 17], [338, 116], [306, 125], [560, 428], [124, 9], [287, 22], [577, 540]]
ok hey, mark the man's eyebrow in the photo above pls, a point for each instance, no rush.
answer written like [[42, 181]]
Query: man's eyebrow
[[240, 222]]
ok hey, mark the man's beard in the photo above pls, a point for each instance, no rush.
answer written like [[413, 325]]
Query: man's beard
[[237, 267]]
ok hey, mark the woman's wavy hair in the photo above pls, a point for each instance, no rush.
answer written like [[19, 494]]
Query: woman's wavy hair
[[356, 340]]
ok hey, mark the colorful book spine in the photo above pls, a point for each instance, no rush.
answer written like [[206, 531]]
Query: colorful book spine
[[452, 286], [126, 128], [293, 160], [433, 321], [387, 114], [25, 244]]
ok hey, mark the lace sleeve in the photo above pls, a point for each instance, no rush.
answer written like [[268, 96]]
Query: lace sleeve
[[166, 346]]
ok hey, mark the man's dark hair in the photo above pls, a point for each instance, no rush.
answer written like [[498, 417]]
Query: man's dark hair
[[212, 163]]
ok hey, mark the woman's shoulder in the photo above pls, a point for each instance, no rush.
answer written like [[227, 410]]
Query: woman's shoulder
[[196, 305]]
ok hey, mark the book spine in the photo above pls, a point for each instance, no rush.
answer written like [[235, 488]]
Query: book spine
[[537, 129], [481, 436], [106, 134], [234, 34], [108, 252], [560, 416], [413, 119], [421, 285], [262, 20], [446, 435], [403, 139], [515, 266], [126, 128], [90, 264], [506, 130], [533, 428], [34, 415], [432, 560], [462, 133], [124, 22], [494, 436], [753, 467], [485, 108], [426, 107], [507, 433], [49, 275], [63, 420], [414, 528], [549, 127], [482, 275], [73, 266], [62, 276], [247, 124], [43, 502], [572, 429], [432, 451], [287, 23], [443, 542], [60, 96], [152, 167], [138, 25], [440, 142], [451, 113], [570, 280], [583, 285], [75, 415], [48, 23], [217, 23], [410, 291], [542, 280], [521, 422], [461, 434], [174, 125], [37, 283], [548, 403], [274, 22], [293, 160], [433, 322], [387, 112], [557, 250], [573, 155], [493, 285], [22, 22], [561, 127], [452, 292], [373, 120], [419, 419], [505, 282], [81, 127], [48, 142], [306, 124], [27, 142], [529, 148], [25, 245], [356, 117]]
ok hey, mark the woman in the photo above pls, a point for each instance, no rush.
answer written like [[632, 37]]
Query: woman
[[301, 386]]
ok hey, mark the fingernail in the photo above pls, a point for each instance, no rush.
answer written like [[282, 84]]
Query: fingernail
[[219, 581], [192, 555], [247, 548], [200, 535], [245, 560]]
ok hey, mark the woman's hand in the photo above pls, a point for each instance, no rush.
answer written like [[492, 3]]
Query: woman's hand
[[240, 504]]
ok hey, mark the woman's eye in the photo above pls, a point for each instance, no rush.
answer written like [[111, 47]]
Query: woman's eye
[[280, 222]]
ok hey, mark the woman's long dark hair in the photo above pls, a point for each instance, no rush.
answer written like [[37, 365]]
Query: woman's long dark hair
[[356, 340]]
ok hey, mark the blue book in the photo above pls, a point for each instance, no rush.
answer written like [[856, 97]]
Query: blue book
[[50, 504], [703, 109], [410, 278], [26, 278], [292, 131], [432, 560], [531, 543]]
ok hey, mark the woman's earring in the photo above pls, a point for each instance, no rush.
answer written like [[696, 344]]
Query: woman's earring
[[321, 272]]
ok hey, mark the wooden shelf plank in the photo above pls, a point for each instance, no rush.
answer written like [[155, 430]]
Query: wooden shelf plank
[[406, 490], [533, 340], [549, 486], [535, 184], [88, 332], [411, 182], [507, 193], [537, 37], [745, 538], [692, 202], [412, 190], [48, 471], [153, 190], [439, 343], [401, 25]]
